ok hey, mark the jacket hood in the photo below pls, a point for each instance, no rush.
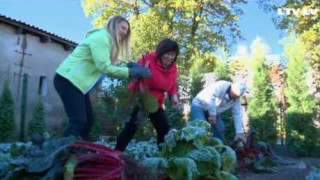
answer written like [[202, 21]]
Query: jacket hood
[[159, 65]]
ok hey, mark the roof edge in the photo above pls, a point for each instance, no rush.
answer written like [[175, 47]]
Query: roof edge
[[37, 31]]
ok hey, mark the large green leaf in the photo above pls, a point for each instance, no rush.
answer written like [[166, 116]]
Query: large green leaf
[[69, 168], [204, 140], [199, 123], [36, 160], [190, 133], [191, 154], [182, 168], [143, 149], [149, 102], [155, 163], [228, 157], [193, 130], [52, 149], [206, 157], [180, 150]]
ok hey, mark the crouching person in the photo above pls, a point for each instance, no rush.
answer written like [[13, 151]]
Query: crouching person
[[214, 100]]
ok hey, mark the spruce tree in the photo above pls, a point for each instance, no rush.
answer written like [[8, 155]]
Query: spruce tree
[[95, 130], [301, 134], [7, 121], [37, 125], [262, 106], [222, 71]]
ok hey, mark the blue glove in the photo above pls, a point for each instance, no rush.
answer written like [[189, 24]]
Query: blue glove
[[132, 64], [137, 71]]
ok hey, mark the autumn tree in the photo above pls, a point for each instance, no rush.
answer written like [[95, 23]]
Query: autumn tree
[[198, 26], [201, 63]]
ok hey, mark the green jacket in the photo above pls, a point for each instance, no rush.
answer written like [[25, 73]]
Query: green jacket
[[89, 60]]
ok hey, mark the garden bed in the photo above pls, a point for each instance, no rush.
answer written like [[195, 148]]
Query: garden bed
[[292, 172]]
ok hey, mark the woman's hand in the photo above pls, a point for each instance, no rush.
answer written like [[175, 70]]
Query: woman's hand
[[174, 101], [212, 119], [132, 64], [240, 136]]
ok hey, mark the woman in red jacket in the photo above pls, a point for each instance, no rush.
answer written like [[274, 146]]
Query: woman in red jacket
[[162, 64]]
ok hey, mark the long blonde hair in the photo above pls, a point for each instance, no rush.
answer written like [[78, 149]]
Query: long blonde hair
[[120, 46]]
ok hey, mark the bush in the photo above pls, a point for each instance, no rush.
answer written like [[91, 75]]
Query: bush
[[7, 120], [37, 125], [301, 133], [262, 108], [95, 131], [174, 116]]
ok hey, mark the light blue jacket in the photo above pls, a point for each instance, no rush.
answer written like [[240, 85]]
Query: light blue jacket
[[215, 99]]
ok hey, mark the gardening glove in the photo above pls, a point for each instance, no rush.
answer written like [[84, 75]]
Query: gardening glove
[[212, 119], [122, 63], [137, 71], [240, 136], [132, 64], [174, 101]]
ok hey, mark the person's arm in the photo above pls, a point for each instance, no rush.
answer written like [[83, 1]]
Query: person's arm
[[173, 92], [173, 96], [237, 116], [100, 47]]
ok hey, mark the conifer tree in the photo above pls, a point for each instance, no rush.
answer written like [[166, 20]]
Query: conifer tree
[[95, 131], [262, 107], [37, 125], [7, 121], [301, 134]]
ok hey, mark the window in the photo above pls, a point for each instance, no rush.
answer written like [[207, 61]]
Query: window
[[43, 86]]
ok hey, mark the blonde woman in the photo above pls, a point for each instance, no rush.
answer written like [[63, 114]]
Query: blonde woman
[[97, 54]]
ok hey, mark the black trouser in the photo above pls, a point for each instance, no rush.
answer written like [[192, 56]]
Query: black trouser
[[77, 106], [158, 119]]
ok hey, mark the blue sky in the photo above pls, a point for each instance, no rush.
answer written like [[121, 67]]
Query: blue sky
[[256, 23], [66, 18]]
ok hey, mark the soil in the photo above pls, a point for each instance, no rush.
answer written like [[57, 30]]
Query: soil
[[298, 171]]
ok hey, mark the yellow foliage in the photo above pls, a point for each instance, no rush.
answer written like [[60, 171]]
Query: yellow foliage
[[238, 65], [191, 23], [197, 18]]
